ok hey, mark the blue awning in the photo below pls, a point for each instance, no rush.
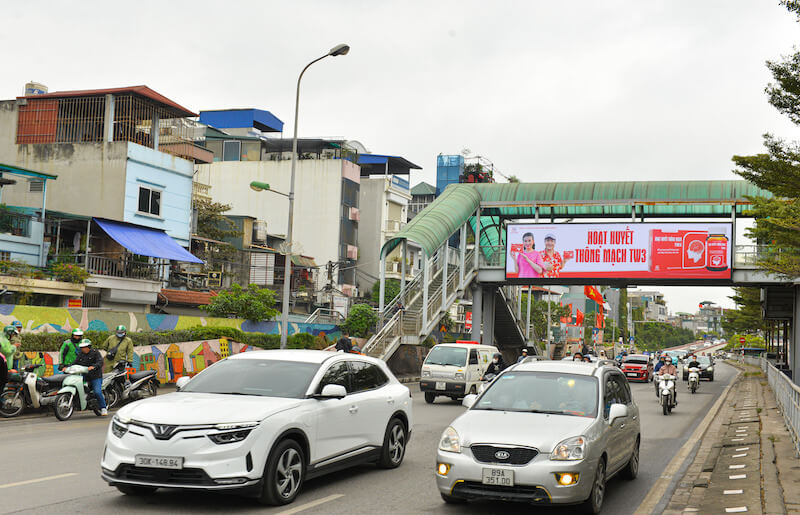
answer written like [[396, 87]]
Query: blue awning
[[145, 241]]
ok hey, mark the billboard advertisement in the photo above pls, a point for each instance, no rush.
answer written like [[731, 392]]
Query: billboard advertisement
[[662, 251]]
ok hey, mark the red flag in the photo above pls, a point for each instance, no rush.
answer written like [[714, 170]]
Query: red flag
[[592, 293], [579, 317], [599, 321]]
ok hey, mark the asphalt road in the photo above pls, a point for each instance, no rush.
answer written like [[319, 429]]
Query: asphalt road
[[53, 466]]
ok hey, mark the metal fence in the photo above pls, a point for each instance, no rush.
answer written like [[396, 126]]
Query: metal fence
[[787, 394]]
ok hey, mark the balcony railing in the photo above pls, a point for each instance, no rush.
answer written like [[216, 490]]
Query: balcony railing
[[15, 224], [125, 268], [394, 225]]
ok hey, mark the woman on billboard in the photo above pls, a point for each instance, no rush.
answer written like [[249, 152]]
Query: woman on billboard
[[550, 256], [529, 262]]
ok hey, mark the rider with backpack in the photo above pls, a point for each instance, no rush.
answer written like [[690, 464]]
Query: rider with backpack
[[118, 347]]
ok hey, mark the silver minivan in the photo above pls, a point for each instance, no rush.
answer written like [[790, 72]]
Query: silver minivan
[[543, 432]]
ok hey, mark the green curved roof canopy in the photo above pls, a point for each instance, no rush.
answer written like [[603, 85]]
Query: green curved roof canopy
[[458, 203]]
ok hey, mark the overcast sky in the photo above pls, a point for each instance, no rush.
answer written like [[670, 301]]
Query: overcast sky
[[568, 91]]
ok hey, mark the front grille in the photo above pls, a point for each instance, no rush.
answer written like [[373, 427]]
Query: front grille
[[518, 493], [516, 455], [164, 476]]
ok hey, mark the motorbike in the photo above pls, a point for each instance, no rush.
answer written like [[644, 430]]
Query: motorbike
[[666, 386], [120, 386], [694, 378], [25, 389], [75, 394]]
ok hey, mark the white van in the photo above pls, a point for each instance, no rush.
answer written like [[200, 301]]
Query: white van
[[454, 369]]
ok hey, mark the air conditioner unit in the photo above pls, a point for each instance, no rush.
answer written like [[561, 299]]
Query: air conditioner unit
[[259, 231]]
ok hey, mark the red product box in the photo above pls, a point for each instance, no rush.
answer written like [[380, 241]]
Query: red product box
[[677, 250]]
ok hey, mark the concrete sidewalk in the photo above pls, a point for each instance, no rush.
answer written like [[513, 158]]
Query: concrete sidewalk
[[746, 462]]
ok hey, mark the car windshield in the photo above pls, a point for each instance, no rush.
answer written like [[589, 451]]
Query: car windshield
[[453, 356], [703, 360], [260, 377], [542, 392], [636, 360]]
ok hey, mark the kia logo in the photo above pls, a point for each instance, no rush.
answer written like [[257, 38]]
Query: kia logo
[[502, 455]]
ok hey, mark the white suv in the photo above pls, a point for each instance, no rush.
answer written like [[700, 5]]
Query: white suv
[[262, 422]]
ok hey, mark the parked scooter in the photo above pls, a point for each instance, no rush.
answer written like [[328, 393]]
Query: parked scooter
[[694, 379], [25, 389], [666, 387], [119, 386], [75, 394]]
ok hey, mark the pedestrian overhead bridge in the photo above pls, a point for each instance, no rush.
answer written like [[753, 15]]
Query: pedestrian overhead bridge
[[451, 265]]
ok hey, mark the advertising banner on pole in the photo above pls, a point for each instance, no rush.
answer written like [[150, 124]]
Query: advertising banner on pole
[[537, 253]]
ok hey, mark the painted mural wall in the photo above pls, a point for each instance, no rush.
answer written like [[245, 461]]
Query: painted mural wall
[[170, 361], [44, 319]]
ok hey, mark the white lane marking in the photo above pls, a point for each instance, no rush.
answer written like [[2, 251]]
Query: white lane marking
[[738, 476], [732, 492], [743, 448], [742, 455], [741, 430], [733, 467], [737, 439], [312, 504], [738, 509], [30, 481]]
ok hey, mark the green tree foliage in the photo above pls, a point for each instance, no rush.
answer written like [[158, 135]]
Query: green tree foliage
[[623, 314], [653, 336], [746, 318], [539, 315], [777, 220], [391, 290], [211, 220], [254, 303], [360, 320]]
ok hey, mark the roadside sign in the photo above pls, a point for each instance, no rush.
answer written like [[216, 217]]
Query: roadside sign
[[741, 339], [74, 303]]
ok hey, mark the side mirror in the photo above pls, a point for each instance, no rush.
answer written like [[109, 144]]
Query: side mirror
[[469, 400], [182, 381], [617, 411], [332, 391]]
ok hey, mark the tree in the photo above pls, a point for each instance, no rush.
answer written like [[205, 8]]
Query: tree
[[746, 318], [777, 219], [539, 315], [212, 223], [254, 303], [391, 290], [513, 179], [360, 320]]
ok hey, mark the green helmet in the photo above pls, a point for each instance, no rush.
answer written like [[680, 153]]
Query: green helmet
[[121, 330], [9, 329], [77, 332], [86, 342]]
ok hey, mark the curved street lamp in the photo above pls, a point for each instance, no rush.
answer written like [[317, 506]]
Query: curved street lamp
[[341, 49]]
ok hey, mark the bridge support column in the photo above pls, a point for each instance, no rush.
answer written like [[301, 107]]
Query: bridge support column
[[477, 239], [477, 312], [488, 294], [462, 247], [425, 279], [793, 344]]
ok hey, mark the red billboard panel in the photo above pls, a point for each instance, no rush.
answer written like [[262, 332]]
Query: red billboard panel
[[661, 251]]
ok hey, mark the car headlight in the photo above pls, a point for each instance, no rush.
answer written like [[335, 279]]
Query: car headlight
[[230, 436], [122, 419], [710, 369], [570, 449], [426, 373], [118, 428], [450, 441], [459, 375]]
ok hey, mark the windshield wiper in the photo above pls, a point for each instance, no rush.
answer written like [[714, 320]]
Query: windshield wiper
[[548, 411], [235, 393]]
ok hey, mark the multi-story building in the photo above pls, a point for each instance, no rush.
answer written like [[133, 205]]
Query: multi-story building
[[383, 203], [709, 318], [125, 159], [421, 196], [654, 308], [327, 183]]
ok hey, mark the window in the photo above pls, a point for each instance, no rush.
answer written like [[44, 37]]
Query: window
[[473, 357], [149, 201], [366, 376], [616, 393], [543, 392], [232, 151], [36, 186], [258, 377], [338, 373], [5, 255]]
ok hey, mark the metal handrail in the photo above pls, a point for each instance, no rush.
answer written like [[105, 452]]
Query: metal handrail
[[788, 396]]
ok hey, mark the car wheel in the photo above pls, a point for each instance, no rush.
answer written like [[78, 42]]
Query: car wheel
[[394, 445], [594, 504], [631, 470], [136, 490], [283, 474], [449, 499], [430, 397]]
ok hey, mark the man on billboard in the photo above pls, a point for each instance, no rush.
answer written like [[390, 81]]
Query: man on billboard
[[550, 256], [529, 262]]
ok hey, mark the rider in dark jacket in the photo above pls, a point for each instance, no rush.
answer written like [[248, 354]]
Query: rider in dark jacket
[[91, 358], [496, 366]]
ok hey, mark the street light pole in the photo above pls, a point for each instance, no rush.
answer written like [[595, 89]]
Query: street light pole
[[287, 276]]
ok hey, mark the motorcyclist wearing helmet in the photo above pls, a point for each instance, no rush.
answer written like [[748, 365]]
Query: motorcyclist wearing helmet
[[6, 347], [118, 347], [16, 339], [69, 349], [496, 366], [91, 358], [670, 368]]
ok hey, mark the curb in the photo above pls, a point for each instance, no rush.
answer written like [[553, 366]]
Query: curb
[[662, 484]]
